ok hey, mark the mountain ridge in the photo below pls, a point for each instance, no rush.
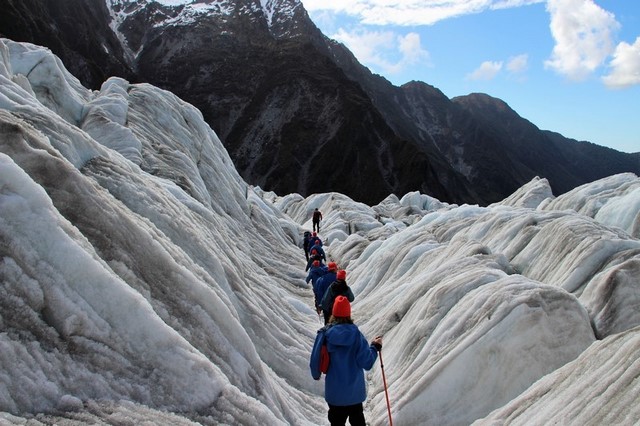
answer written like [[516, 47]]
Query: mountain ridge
[[298, 112]]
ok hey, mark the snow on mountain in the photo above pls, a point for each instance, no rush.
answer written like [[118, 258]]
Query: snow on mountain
[[144, 281], [188, 12], [170, 12]]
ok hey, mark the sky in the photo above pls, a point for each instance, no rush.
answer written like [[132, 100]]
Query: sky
[[140, 289], [570, 66]]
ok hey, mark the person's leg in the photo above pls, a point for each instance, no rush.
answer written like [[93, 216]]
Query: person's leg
[[356, 415], [338, 415]]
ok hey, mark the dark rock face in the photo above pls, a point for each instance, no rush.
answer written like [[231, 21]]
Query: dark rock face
[[525, 150], [75, 30], [297, 112]]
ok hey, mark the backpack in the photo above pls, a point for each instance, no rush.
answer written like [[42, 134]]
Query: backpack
[[325, 357]]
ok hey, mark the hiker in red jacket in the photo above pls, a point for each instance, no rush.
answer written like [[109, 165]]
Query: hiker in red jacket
[[317, 217]]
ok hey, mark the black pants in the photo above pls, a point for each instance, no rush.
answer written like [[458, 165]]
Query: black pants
[[338, 415], [316, 226]]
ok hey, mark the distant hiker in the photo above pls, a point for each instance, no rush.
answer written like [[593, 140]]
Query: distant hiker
[[337, 288], [318, 248], [313, 256], [314, 241], [323, 283], [349, 355], [306, 244], [317, 270], [317, 217]]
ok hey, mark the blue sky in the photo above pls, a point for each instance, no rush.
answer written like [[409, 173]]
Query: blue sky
[[570, 66]]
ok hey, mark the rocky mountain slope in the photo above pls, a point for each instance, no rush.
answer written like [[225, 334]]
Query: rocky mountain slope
[[297, 112]]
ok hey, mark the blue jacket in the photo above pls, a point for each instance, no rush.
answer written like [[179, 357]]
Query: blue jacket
[[319, 249], [314, 241], [350, 354], [312, 258], [315, 273], [321, 286]]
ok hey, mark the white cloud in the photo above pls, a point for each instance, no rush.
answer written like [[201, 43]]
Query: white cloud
[[410, 12], [411, 49], [625, 66], [375, 48], [486, 71], [583, 33], [518, 64]]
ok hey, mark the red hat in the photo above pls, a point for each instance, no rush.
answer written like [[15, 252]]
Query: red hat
[[316, 263], [314, 251], [333, 266], [341, 307], [315, 234], [341, 275]]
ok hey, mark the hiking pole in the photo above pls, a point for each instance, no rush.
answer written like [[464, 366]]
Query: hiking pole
[[386, 393]]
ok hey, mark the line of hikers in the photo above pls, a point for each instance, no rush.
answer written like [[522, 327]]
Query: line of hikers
[[327, 281], [340, 350]]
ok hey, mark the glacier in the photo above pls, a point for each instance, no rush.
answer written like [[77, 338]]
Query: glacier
[[144, 281]]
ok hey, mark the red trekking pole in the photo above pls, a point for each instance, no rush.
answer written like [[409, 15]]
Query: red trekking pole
[[386, 393]]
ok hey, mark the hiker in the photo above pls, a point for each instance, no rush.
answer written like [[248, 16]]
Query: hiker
[[337, 288], [317, 217], [323, 283], [349, 355], [317, 270], [318, 248], [306, 244], [313, 257], [314, 241]]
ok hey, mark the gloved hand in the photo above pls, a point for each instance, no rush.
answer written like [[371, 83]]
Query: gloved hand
[[377, 343]]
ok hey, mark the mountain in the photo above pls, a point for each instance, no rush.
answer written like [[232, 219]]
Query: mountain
[[298, 113], [76, 30], [143, 281]]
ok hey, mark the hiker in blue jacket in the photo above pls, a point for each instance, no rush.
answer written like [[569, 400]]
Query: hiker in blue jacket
[[350, 354], [323, 283], [314, 240], [318, 248], [314, 255], [337, 288], [317, 270]]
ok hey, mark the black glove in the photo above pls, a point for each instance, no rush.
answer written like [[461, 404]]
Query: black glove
[[376, 345]]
